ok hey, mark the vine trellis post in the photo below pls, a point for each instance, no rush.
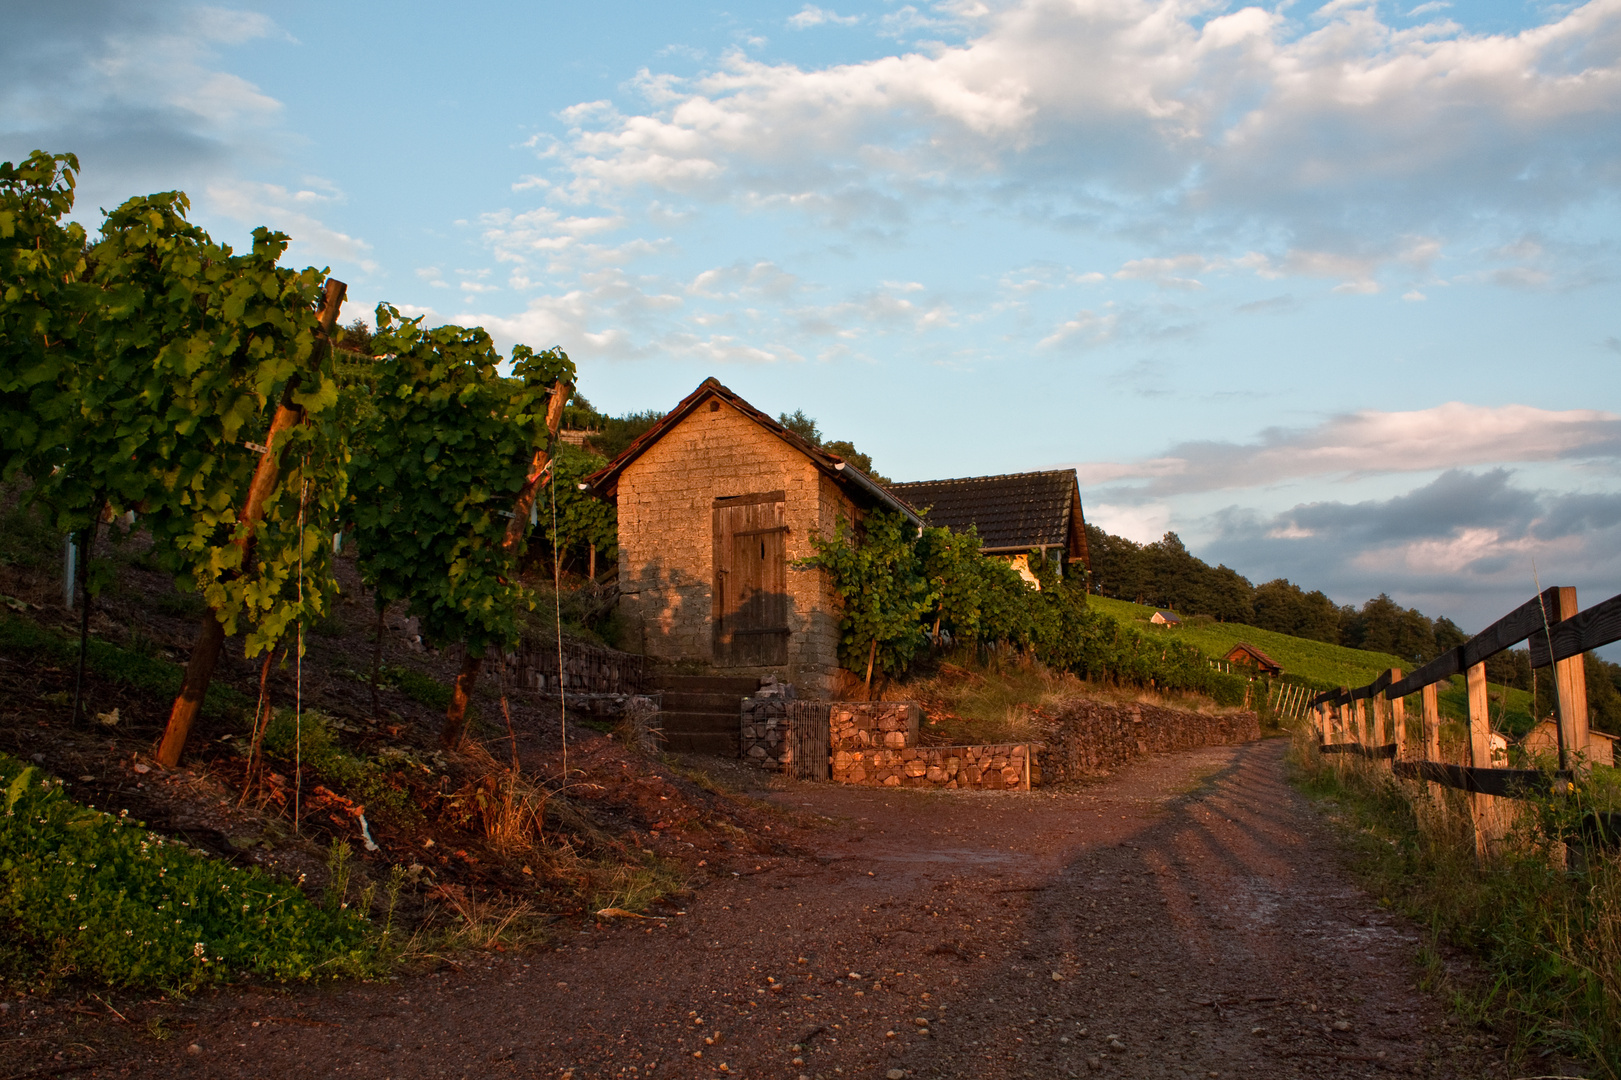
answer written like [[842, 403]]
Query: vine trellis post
[[211, 635]]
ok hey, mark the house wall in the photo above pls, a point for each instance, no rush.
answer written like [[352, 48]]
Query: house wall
[[666, 540]]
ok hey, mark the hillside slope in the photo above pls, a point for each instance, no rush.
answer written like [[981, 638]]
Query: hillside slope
[[1319, 663]]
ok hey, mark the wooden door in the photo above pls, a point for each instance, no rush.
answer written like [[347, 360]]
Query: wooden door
[[751, 580]]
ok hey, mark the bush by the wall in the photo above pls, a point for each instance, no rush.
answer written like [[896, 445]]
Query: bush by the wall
[[900, 587]]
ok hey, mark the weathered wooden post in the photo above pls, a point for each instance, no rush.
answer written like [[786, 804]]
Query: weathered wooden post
[[1570, 687], [1398, 716], [1483, 809]]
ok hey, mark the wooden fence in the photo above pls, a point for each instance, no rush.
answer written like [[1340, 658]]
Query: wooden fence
[[1558, 635]]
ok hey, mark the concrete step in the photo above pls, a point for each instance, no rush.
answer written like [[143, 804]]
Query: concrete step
[[684, 742], [741, 685], [700, 721], [691, 701]]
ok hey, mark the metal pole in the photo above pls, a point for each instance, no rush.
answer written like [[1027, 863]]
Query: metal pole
[[70, 566]]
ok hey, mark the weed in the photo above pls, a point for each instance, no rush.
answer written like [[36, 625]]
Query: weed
[[85, 893], [1549, 940], [335, 897], [137, 670], [420, 688], [310, 737]]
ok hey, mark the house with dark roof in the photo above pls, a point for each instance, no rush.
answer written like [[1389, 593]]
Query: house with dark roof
[[716, 503], [1016, 514], [1165, 618], [1246, 655]]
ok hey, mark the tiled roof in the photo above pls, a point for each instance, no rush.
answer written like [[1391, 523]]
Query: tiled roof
[[1015, 512], [1260, 657]]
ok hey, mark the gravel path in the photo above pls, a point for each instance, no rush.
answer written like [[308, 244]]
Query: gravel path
[[1187, 917]]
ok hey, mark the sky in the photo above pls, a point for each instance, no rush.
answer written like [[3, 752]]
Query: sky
[[1331, 290]]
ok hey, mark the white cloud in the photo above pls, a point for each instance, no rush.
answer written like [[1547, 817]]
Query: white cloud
[[1344, 138], [811, 15], [290, 210], [137, 90], [1370, 442]]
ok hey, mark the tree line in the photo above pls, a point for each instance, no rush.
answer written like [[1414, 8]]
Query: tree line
[[1165, 574]]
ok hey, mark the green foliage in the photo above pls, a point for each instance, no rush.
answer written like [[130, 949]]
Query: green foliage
[[1550, 940], [884, 593], [88, 894], [42, 265], [309, 740], [1319, 663], [896, 586], [23, 639], [146, 366], [583, 520], [415, 685], [436, 471]]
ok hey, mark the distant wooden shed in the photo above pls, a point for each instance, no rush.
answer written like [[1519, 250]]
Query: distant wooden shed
[[1543, 739], [1165, 618], [1246, 655], [1015, 514]]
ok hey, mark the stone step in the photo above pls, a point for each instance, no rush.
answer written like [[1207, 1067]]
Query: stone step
[[701, 722], [741, 685], [692, 701], [697, 742]]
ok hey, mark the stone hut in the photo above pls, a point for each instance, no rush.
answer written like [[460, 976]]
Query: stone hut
[[716, 503]]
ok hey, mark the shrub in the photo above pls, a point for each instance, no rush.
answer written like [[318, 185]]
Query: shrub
[[91, 895]]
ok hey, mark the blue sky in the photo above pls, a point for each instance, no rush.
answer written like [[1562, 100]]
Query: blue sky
[[1330, 289]]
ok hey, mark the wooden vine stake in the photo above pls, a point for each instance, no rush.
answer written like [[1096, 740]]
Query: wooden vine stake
[[205, 653], [456, 716]]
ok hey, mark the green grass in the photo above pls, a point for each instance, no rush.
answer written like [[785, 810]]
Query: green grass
[[1548, 939], [20, 637], [1321, 664], [87, 895], [1317, 662]]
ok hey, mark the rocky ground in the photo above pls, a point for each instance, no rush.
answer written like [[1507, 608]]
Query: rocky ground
[[1190, 916]]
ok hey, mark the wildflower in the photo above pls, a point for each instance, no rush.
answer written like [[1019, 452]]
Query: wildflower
[[73, 896], [197, 949]]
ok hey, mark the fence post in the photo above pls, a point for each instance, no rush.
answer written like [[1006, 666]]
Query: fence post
[[1483, 809], [1398, 716], [1376, 714], [1570, 686]]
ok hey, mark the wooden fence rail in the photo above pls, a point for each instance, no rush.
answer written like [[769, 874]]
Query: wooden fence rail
[[1559, 635]]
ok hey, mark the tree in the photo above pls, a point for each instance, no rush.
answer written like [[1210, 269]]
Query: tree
[[161, 372], [885, 594], [444, 477]]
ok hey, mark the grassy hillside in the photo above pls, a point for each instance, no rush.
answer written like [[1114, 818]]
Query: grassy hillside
[[1316, 661], [1320, 663]]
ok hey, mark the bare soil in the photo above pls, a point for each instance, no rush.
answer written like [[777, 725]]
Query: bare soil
[[1190, 916]]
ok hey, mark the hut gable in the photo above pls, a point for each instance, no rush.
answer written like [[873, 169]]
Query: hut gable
[[716, 504], [1248, 655], [1014, 513], [1165, 618]]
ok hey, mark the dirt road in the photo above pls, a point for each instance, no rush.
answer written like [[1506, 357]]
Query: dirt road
[[1188, 917]]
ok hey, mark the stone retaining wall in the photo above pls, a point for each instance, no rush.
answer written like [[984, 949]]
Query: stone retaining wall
[[587, 669], [998, 767], [858, 725], [774, 726], [1093, 737]]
